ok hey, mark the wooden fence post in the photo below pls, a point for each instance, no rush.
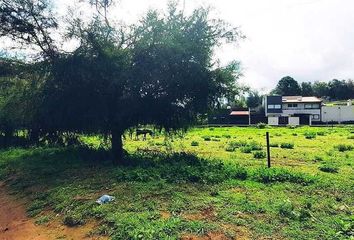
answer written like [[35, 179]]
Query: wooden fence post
[[268, 149]]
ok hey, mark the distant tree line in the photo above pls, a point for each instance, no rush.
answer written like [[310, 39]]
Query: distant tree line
[[159, 71], [332, 90]]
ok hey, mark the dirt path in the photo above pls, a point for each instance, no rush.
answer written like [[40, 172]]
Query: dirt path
[[15, 225]]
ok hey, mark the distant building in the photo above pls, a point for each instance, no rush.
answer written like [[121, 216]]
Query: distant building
[[293, 110]]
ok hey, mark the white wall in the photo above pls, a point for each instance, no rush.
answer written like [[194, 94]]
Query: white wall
[[273, 121], [294, 121], [337, 113]]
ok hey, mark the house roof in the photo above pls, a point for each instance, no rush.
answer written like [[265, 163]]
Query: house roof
[[299, 99], [239, 113]]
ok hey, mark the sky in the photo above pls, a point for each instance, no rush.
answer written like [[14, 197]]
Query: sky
[[309, 40]]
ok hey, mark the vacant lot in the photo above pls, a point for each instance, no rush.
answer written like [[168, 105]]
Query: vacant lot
[[210, 183]]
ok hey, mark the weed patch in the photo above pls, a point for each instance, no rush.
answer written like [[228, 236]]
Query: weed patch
[[272, 175]]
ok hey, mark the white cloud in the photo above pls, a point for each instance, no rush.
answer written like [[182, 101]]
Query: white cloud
[[307, 39]]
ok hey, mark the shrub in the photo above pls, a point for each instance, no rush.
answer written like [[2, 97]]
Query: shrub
[[344, 147], [73, 220], [274, 144], [194, 143], [206, 138], [294, 134], [227, 136], [261, 125], [254, 146], [328, 169], [259, 154], [271, 175], [310, 135], [231, 146], [286, 209], [246, 149], [287, 145], [350, 137], [321, 133], [318, 158]]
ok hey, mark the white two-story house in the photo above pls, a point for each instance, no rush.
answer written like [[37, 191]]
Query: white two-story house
[[284, 109]]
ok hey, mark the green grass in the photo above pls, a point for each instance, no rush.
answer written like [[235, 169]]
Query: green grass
[[174, 187]]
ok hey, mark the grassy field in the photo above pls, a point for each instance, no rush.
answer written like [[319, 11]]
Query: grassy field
[[210, 183]]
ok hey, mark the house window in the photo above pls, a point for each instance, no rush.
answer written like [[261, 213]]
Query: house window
[[315, 117], [312, 106], [274, 106], [292, 105]]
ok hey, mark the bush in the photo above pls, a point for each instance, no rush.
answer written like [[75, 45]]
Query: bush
[[286, 209], [206, 138], [254, 146], [318, 158], [310, 135], [321, 133], [350, 137], [271, 175], [259, 155], [227, 136], [261, 125], [246, 149], [231, 146], [328, 169], [73, 220], [274, 144], [287, 145], [194, 143], [344, 147]]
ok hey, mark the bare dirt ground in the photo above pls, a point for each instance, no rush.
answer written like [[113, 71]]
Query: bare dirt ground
[[15, 225]]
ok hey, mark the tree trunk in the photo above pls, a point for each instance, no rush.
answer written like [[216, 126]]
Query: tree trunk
[[117, 148]]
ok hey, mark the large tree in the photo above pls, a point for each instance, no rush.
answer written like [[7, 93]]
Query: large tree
[[287, 86], [306, 89], [160, 71]]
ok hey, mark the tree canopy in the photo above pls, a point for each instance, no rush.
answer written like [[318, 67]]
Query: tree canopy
[[287, 86], [159, 71]]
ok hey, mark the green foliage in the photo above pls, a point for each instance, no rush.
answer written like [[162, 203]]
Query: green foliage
[[73, 220], [259, 154], [271, 175], [310, 135], [275, 145], [206, 138], [261, 125], [194, 144], [344, 147], [246, 149], [287, 86], [160, 193], [328, 168], [287, 145], [42, 220]]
